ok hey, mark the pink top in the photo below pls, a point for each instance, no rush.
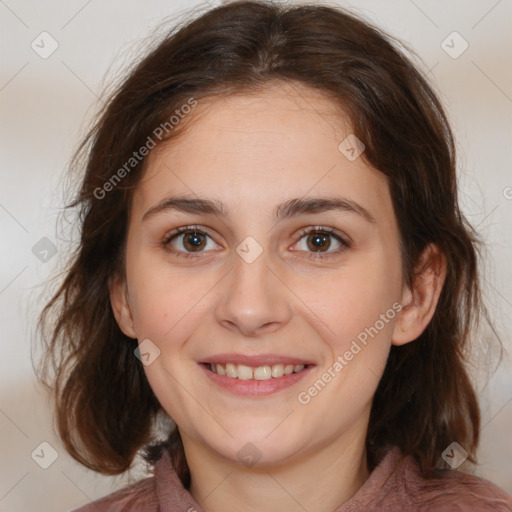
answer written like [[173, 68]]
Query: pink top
[[396, 484]]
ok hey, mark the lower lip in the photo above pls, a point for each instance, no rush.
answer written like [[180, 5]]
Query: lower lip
[[255, 387]]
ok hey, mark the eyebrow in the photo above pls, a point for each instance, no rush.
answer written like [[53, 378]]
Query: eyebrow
[[288, 209]]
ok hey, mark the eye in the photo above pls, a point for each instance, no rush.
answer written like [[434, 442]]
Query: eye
[[318, 240], [187, 240], [190, 241]]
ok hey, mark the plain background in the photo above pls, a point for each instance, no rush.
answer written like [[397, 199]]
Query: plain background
[[45, 105]]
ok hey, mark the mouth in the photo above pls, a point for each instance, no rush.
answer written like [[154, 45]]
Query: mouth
[[263, 372], [254, 376]]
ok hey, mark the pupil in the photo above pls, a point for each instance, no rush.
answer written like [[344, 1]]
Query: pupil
[[319, 241], [194, 240]]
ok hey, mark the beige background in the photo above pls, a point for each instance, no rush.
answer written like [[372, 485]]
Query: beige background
[[45, 104]]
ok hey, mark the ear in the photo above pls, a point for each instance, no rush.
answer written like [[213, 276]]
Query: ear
[[121, 305], [419, 304]]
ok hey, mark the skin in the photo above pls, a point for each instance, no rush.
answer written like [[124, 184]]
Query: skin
[[253, 152]]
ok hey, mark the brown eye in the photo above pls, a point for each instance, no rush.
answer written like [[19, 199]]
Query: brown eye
[[188, 240], [317, 242], [193, 241], [321, 241]]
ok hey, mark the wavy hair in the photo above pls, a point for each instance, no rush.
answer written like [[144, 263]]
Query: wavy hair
[[105, 409]]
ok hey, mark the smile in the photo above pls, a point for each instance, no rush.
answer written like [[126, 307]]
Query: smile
[[254, 376], [264, 372]]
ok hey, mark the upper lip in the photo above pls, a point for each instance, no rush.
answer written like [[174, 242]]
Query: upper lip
[[255, 360]]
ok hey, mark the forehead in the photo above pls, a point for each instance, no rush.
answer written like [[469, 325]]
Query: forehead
[[259, 149]]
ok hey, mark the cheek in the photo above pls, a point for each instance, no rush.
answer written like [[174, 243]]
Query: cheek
[[168, 310], [164, 299], [164, 308], [358, 310], [355, 311], [355, 302]]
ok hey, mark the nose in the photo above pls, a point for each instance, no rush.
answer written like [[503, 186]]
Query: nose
[[253, 299]]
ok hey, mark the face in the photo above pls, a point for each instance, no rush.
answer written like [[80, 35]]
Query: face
[[292, 259]]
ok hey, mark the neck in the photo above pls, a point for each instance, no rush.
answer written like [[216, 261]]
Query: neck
[[319, 480]]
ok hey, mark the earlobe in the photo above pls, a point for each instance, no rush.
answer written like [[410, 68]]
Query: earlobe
[[121, 306], [419, 304]]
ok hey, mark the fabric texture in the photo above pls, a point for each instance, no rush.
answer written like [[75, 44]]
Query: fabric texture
[[395, 485]]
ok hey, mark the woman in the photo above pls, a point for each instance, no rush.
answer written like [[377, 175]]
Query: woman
[[273, 257]]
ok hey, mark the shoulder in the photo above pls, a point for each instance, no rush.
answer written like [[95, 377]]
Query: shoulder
[[449, 491], [141, 495], [163, 490]]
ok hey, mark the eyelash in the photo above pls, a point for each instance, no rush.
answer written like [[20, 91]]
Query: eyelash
[[345, 244]]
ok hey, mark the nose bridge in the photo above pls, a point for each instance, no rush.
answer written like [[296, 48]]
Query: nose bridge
[[251, 270], [253, 298]]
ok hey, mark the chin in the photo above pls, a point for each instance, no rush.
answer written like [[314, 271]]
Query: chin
[[257, 451]]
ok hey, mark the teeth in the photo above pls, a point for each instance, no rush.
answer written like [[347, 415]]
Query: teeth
[[277, 371], [244, 372], [231, 371], [265, 372], [288, 369]]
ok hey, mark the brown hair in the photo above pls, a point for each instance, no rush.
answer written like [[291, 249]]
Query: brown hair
[[105, 408]]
